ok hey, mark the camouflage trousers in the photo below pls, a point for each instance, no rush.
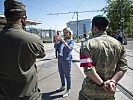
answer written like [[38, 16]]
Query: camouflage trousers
[[84, 97]]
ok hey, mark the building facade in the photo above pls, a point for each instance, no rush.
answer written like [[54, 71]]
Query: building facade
[[84, 26]]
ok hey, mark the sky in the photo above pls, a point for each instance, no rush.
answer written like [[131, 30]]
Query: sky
[[40, 10]]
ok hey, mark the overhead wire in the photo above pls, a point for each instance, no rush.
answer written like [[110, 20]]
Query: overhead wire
[[65, 8], [61, 5], [38, 8], [80, 4]]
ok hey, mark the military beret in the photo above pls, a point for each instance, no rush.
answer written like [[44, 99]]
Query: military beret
[[100, 21], [14, 6]]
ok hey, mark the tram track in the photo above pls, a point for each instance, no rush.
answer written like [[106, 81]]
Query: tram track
[[125, 91], [119, 86]]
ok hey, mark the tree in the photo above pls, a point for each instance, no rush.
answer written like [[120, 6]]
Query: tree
[[114, 14], [131, 19]]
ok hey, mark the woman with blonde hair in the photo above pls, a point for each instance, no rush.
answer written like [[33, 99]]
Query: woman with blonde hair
[[65, 47]]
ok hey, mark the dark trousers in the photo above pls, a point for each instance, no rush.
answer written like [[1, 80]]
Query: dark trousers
[[56, 53], [64, 67]]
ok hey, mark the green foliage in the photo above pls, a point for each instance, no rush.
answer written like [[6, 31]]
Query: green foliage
[[114, 14]]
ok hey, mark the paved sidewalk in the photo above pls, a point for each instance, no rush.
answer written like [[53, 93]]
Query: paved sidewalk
[[49, 79], [125, 81]]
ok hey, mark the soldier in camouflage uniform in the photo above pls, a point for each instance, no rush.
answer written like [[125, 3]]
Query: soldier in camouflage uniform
[[18, 52], [104, 63]]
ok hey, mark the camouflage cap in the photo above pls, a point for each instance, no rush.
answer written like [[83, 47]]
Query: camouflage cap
[[100, 21], [14, 6]]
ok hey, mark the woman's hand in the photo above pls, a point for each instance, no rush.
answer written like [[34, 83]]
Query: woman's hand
[[58, 38]]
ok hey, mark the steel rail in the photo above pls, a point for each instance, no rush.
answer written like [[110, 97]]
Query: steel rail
[[119, 86]]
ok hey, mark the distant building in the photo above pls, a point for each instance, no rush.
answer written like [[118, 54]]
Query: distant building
[[84, 26], [48, 33], [45, 34], [28, 21]]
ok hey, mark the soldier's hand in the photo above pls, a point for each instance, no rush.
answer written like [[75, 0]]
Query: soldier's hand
[[110, 86], [106, 86]]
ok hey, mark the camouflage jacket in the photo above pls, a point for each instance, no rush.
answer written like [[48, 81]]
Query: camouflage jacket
[[105, 55]]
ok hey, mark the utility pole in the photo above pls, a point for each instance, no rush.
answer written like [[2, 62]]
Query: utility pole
[[122, 21], [77, 18], [77, 28]]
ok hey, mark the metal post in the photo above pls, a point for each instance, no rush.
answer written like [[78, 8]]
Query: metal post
[[77, 28], [122, 21], [52, 36]]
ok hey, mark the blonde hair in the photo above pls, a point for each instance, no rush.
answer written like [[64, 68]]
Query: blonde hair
[[68, 30]]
